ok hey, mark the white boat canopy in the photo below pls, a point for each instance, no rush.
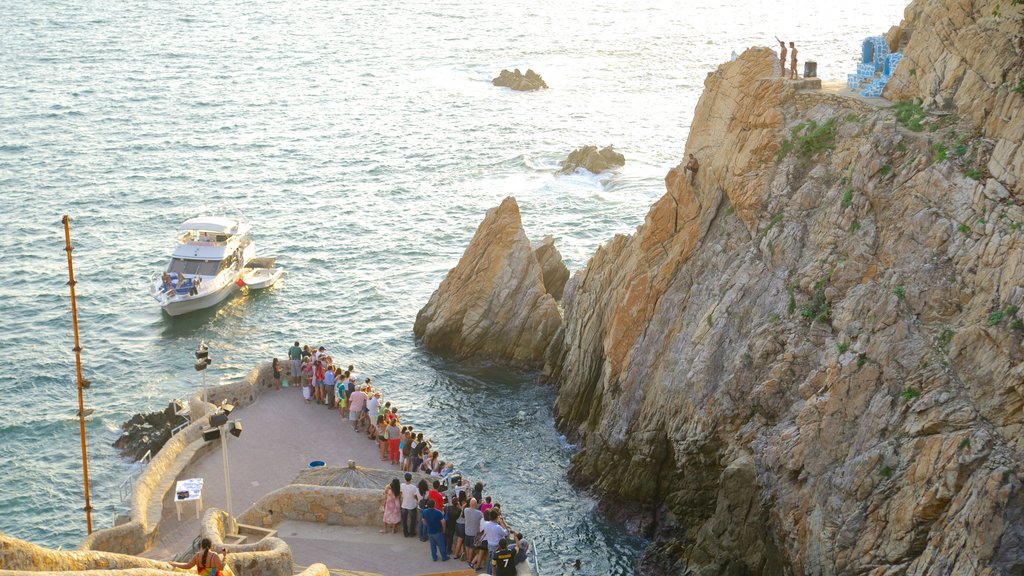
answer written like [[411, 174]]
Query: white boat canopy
[[215, 224]]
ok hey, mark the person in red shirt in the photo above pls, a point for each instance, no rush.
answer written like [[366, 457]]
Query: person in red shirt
[[435, 495]]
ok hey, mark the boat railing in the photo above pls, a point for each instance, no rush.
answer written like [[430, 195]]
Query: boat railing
[[199, 240]]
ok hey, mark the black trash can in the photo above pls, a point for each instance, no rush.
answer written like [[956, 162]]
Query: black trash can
[[810, 69]]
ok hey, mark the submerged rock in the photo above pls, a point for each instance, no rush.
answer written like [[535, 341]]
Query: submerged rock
[[494, 304], [518, 81], [148, 432], [592, 159]]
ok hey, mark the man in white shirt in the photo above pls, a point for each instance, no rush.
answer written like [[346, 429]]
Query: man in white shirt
[[410, 500], [492, 531], [373, 405]]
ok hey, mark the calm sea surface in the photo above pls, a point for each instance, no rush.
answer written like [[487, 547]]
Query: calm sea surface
[[365, 141]]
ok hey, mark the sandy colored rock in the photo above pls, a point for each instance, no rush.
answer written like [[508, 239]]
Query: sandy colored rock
[[516, 80], [965, 56], [592, 159], [493, 304], [808, 360], [554, 271]]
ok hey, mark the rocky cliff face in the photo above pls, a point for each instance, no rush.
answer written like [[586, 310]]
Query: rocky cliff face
[[968, 57], [808, 360], [494, 303]]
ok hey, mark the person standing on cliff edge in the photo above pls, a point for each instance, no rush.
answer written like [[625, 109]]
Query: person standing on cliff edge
[[792, 61], [782, 57]]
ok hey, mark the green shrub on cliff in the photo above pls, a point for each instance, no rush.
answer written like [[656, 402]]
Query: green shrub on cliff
[[807, 139], [910, 115], [910, 394], [847, 198]]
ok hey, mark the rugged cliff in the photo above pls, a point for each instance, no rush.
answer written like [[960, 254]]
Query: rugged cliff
[[808, 360], [494, 304]]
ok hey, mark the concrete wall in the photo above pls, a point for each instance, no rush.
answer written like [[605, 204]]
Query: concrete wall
[[324, 504], [268, 557], [20, 556]]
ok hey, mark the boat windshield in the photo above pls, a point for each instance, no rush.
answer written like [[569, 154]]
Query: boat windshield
[[194, 267]]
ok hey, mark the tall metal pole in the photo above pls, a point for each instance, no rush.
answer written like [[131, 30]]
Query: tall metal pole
[[227, 477], [78, 370]]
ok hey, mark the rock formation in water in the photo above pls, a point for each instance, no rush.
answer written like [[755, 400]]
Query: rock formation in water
[[516, 80], [493, 304], [147, 432], [592, 159], [809, 360], [552, 267]]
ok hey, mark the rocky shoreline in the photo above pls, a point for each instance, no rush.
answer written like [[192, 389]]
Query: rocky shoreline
[[148, 432], [808, 358]]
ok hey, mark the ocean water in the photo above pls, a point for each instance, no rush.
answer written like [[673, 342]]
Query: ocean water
[[364, 140]]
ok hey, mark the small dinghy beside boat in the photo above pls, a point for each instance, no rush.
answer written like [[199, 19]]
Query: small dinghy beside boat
[[258, 278]]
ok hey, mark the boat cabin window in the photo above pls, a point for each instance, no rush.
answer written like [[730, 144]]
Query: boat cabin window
[[192, 267]]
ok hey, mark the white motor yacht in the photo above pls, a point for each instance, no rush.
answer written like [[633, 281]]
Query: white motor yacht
[[206, 266]]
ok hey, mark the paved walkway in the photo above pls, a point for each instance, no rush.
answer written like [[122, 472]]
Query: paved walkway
[[363, 549], [839, 88], [281, 434]]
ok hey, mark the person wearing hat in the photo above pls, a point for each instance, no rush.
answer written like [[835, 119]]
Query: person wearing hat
[[372, 405], [356, 407], [410, 500]]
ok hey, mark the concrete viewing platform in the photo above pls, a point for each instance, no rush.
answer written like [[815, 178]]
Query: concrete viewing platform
[[281, 435]]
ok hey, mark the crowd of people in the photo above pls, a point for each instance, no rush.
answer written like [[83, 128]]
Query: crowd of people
[[443, 509]]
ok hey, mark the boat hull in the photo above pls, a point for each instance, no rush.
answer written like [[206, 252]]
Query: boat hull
[[179, 306]]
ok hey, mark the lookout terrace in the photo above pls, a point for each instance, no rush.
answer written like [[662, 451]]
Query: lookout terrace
[[292, 520]]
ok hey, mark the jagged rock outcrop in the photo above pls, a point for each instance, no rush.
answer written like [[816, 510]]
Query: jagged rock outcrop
[[808, 360], [593, 159], [980, 75], [552, 266], [147, 432], [493, 304], [516, 80]]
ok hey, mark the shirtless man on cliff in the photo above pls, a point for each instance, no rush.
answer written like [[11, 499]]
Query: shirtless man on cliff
[[792, 62], [782, 57], [692, 166]]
